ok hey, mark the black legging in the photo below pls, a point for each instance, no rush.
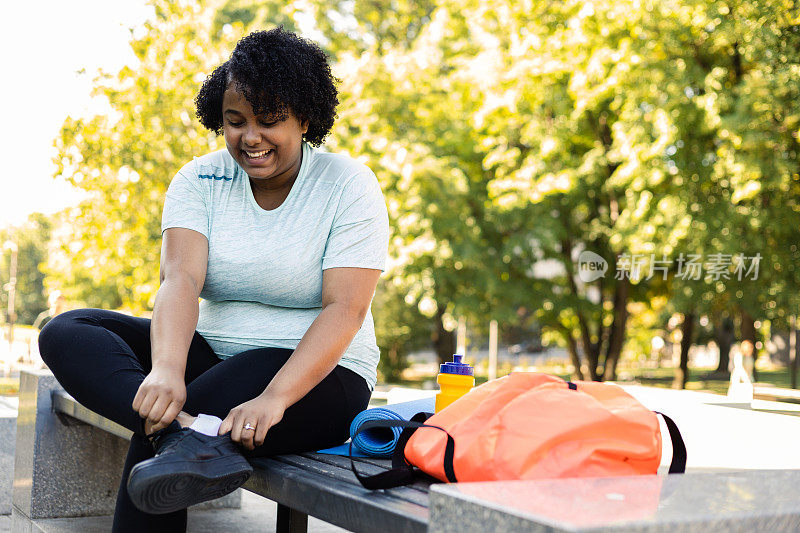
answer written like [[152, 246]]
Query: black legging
[[101, 357]]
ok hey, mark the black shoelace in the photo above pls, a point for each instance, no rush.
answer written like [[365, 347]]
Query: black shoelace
[[167, 438]]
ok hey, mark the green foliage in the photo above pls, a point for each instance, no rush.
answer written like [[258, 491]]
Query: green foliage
[[360, 25], [399, 329], [108, 255], [522, 131], [31, 239], [506, 136]]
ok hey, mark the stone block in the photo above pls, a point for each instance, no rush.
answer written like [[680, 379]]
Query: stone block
[[764, 500], [65, 467], [8, 432], [62, 467], [22, 524]]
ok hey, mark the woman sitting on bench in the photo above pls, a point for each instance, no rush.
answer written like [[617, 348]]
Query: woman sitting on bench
[[284, 243]]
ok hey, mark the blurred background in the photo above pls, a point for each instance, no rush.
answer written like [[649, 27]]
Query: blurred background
[[606, 190]]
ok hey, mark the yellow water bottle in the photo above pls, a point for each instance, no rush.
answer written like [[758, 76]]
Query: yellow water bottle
[[455, 379]]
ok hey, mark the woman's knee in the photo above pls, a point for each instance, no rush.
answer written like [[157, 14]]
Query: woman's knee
[[60, 329]]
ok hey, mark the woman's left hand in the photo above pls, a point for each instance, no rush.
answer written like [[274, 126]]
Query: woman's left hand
[[262, 412]]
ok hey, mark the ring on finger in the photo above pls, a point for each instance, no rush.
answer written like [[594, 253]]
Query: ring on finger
[[248, 425]]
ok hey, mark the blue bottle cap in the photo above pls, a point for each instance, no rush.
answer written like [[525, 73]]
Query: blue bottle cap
[[457, 367]]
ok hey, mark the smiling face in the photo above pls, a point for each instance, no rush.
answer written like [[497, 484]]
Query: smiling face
[[267, 148]]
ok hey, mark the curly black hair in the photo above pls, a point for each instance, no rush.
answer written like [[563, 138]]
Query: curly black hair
[[276, 71]]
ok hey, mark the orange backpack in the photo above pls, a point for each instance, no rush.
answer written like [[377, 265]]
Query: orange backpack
[[531, 426]]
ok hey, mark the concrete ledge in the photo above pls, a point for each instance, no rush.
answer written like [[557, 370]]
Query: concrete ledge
[[256, 515], [734, 501], [64, 467], [8, 434]]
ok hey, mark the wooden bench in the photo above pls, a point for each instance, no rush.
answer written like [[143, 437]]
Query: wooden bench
[[306, 484]]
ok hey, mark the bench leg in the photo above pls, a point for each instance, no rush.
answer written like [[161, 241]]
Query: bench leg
[[291, 520]]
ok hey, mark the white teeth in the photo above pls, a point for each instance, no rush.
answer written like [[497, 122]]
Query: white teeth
[[258, 154]]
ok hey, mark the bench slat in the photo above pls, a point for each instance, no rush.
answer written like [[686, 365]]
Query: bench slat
[[338, 502], [366, 465], [346, 475]]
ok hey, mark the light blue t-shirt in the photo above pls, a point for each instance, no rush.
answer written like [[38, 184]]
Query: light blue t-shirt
[[263, 283]]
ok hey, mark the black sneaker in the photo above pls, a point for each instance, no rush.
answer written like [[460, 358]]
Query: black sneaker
[[189, 468]]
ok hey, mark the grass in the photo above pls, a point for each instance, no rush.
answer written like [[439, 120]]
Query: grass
[[700, 379], [658, 377], [9, 386]]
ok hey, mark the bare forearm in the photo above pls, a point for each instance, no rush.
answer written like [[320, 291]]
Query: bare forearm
[[174, 321], [317, 355]]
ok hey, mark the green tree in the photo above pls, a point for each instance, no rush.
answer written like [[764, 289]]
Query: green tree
[[739, 177], [405, 111], [507, 138], [31, 239], [399, 328], [124, 160], [633, 115]]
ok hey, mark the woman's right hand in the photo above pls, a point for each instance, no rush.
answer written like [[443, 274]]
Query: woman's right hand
[[160, 397]]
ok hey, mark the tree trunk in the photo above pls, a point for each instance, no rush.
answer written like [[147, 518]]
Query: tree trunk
[[682, 372], [393, 362], [444, 342], [749, 335], [793, 349], [724, 335], [572, 349], [617, 337], [590, 350]]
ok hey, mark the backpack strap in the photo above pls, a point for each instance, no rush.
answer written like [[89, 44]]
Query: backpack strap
[[678, 464], [402, 472]]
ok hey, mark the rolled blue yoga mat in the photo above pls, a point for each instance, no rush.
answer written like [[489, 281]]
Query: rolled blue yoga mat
[[381, 442]]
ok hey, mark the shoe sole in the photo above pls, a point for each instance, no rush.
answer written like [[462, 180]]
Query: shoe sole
[[167, 487]]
